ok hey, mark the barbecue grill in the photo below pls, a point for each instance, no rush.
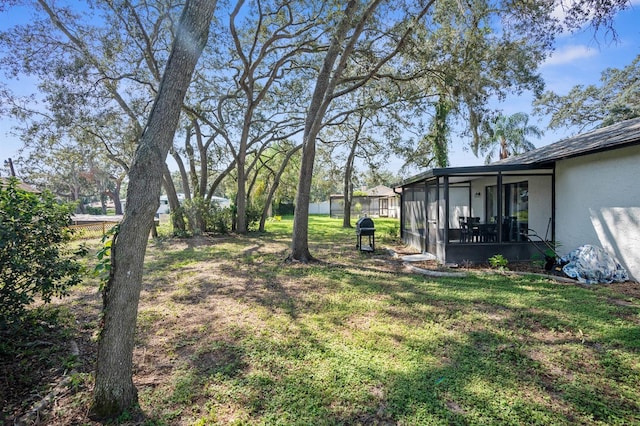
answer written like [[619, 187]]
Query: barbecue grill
[[365, 228]]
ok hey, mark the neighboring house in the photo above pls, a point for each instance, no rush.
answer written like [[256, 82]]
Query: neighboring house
[[4, 181], [379, 201], [581, 190]]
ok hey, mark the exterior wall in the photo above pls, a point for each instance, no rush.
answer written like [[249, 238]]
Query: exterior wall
[[598, 203], [458, 205], [540, 209], [362, 206]]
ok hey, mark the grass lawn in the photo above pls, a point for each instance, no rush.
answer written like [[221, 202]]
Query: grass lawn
[[231, 333]]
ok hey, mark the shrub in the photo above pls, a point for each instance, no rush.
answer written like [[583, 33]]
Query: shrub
[[206, 216], [219, 219], [253, 215], [33, 252], [93, 210], [498, 261]]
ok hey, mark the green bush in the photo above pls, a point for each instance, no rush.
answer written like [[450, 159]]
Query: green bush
[[93, 210], [498, 261], [219, 219], [206, 216], [34, 257], [253, 215]]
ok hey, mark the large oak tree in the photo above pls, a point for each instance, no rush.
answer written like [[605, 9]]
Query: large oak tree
[[114, 389]]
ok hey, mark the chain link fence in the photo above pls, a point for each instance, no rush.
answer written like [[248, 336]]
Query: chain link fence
[[91, 230]]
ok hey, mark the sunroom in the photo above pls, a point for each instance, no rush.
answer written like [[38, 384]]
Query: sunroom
[[468, 214]]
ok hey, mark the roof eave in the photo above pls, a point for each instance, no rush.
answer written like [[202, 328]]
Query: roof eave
[[467, 170]]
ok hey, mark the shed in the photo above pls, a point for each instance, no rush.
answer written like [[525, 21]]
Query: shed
[[379, 201]]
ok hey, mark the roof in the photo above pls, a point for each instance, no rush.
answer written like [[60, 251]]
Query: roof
[[604, 139], [4, 181], [619, 135], [377, 191], [380, 190]]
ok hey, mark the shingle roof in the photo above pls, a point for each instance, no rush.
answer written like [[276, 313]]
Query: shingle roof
[[4, 181], [603, 139], [380, 191], [617, 135]]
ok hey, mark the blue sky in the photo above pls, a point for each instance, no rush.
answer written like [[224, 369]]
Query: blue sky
[[579, 58]]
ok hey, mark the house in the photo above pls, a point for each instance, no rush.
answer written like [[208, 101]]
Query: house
[[4, 182], [380, 201], [581, 190]]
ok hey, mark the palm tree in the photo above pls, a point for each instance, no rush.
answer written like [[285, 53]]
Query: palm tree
[[508, 133]]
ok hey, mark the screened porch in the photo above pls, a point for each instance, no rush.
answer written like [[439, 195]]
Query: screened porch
[[470, 214]]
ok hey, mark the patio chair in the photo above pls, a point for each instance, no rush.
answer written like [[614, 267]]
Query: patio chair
[[464, 232], [474, 228], [489, 233]]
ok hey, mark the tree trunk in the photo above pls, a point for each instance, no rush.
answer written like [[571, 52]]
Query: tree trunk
[[241, 199], [326, 82], [115, 196], [504, 152], [218, 179], [204, 156], [348, 172], [177, 215], [114, 390], [183, 175], [103, 204], [274, 187], [349, 29]]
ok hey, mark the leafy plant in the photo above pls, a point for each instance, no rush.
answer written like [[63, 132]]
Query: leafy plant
[[33, 253], [206, 216], [254, 213], [103, 266], [537, 260], [498, 261]]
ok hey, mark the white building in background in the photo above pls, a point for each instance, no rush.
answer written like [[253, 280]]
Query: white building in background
[[163, 208]]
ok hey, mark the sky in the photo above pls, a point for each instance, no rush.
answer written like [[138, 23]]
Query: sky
[[579, 58]]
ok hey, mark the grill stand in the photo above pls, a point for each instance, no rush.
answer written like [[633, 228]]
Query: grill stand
[[371, 247]]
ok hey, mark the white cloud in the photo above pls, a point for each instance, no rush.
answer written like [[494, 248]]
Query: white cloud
[[559, 11], [562, 6], [569, 54]]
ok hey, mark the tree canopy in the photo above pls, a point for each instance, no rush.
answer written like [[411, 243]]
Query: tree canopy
[[617, 98], [508, 134]]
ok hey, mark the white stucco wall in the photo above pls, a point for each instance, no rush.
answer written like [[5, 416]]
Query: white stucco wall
[[598, 202], [540, 205]]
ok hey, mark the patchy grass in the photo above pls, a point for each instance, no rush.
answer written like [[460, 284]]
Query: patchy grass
[[231, 333]]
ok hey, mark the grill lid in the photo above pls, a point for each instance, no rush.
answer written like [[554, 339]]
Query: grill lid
[[365, 222]]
